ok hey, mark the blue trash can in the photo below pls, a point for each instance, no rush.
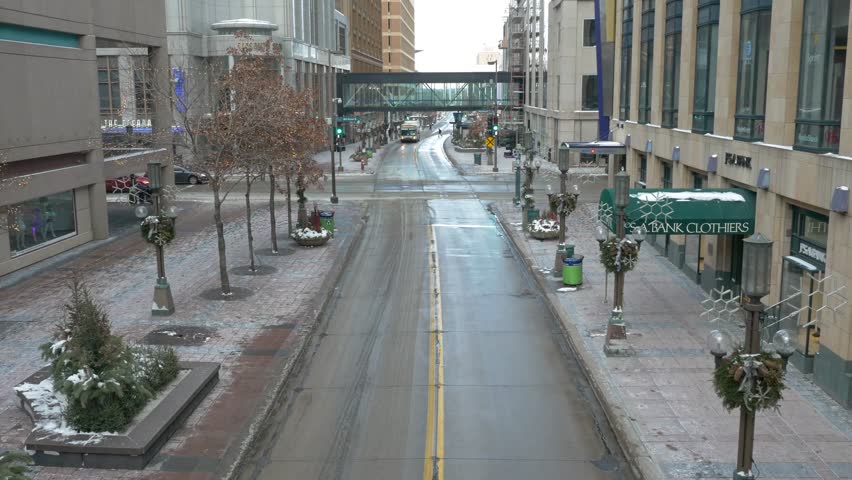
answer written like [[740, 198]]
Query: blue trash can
[[572, 271]]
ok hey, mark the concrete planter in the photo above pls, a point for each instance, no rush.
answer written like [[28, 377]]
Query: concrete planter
[[131, 449], [469, 150]]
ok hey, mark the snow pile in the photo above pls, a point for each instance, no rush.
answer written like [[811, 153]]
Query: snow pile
[[690, 196], [309, 233], [48, 407]]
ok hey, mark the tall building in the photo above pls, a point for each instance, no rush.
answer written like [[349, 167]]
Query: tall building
[[562, 98], [365, 33], [398, 35], [50, 127], [514, 46], [313, 36], [752, 94]]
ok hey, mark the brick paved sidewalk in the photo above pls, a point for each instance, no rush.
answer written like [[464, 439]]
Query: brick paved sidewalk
[[661, 400], [351, 167], [254, 339]]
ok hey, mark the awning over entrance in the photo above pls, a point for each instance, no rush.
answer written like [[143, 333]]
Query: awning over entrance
[[596, 148], [683, 211]]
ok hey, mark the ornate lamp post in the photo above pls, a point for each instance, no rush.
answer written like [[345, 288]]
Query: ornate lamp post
[[757, 270], [565, 204], [159, 230], [517, 164], [615, 329]]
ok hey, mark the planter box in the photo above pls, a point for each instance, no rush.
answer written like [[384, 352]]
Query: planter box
[[312, 242], [544, 235], [131, 449]]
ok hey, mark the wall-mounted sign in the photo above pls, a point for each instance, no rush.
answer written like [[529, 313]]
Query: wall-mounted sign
[[809, 251], [738, 160]]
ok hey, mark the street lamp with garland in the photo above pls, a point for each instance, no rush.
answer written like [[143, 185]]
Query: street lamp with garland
[[616, 330], [566, 203], [159, 230]]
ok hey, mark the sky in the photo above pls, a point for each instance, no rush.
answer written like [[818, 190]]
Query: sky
[[452, 32]]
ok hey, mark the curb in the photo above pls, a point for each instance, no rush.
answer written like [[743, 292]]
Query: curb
[[635, 453], [450, 156], [274, 395]]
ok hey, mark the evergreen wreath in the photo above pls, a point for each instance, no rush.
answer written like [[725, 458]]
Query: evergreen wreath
[[162, 234], [752, 381], [619, 256], [562, 203]]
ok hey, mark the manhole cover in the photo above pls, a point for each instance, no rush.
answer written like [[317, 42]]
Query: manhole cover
[[178, 336]]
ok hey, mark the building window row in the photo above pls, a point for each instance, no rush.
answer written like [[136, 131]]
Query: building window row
[[646, 60], [825, 26]]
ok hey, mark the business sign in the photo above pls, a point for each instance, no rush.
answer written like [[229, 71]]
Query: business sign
[[699, 228], [809, 251], [738, 160]]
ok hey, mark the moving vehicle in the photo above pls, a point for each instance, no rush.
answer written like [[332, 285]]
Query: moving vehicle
[[409, 131], [125, 183], [184, 175]]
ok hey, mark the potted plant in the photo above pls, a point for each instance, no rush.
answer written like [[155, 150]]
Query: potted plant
[[544, 229], [311, 233]]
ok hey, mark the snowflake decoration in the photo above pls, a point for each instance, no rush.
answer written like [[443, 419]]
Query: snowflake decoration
[[588, 172], [605, 214], [721, 306], [827, 297], [168, 193], [656, 209]]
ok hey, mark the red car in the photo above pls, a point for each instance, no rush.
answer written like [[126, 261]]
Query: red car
[[123, 184]]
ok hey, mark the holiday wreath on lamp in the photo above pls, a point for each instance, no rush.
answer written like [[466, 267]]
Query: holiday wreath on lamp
[[619, 255], [158, 229], [753, 381]]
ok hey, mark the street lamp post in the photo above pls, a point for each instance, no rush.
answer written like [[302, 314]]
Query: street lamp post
[[164, 303], [517, 164], [561, 253], [756, 275], [334, 102], [494, 148], [615, 329]]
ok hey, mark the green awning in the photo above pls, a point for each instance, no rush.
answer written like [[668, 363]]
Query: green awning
[[678, 211]]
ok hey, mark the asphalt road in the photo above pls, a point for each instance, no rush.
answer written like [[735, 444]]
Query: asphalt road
[[437, 358]]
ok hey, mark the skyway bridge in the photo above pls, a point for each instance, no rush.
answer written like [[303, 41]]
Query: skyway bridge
[[422, 91]]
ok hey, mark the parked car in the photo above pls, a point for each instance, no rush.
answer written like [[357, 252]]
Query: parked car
[[125, 183], [184, 175]]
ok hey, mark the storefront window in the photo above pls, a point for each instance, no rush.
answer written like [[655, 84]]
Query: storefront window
[[109, 90], [643, 170], [40, 221], [626, 58], [753, 64], [706, 49], [810, 226], [671, 75], [646, 61], [822, 67], [667, 175]]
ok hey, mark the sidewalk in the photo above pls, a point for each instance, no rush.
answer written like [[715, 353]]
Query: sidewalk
[[661, 401], [257, 339], [351, 167]]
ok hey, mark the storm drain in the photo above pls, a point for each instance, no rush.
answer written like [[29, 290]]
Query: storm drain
[[179, 336]]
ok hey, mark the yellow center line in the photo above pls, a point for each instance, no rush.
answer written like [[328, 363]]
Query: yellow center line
[[433, 461]]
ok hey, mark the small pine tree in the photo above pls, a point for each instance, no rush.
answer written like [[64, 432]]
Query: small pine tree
[[13, 466]]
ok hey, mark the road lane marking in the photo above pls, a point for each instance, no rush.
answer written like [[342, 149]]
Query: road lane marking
[[433, 461], [462, 225]]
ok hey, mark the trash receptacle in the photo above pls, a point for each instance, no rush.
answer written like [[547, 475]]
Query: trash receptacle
[[327, 221], [568, 248], [572, 271], [532, 214], [477, 159]]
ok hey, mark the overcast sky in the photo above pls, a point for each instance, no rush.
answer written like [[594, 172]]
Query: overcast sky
[[452, 32]]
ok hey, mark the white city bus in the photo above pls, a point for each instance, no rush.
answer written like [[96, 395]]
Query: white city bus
[[410, 131]]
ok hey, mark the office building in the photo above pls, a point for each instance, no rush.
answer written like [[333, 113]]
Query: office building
[[398, 35]]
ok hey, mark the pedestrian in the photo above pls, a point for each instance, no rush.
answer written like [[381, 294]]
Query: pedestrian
[[439, 132]]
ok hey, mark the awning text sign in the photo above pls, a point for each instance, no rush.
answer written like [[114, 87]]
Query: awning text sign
[[684, 211]]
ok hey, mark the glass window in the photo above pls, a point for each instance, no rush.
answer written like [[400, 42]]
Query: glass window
[[108, 88], [142, 87], [589, 32], [667, 175], [643, 168], [590, 92], [40, 221], [626, 59], [706, 49], [810, 226], [646, 61], [753, 64], [671, 73], [821, 75]]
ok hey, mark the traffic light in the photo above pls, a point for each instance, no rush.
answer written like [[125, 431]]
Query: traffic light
[[494, 128], [338, 131]]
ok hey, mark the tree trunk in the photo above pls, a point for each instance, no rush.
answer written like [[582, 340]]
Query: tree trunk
[[289, 209], [220, 234], [272, 226], [252, 266]]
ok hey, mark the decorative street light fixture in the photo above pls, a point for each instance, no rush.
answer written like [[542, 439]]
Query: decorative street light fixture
[[756, 276], [615, 329], [159, 229], [334, 147], [565, 204], [517, 164], [638, 235]]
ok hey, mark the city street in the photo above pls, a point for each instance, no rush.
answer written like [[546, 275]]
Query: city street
[[438, 357]]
